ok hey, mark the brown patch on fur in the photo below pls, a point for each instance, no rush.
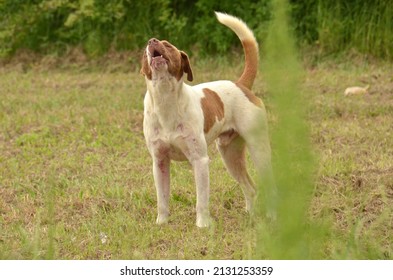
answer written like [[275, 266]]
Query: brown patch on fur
[[251, 64], [178, 62], [226, 137], [250, 95], [145, 70], [212, 107]]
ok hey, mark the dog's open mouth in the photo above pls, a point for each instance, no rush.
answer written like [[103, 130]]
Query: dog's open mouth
[[156, 54], [157, 58]]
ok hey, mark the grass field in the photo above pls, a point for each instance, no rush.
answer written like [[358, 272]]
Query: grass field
[[354, 143], [76, 182]]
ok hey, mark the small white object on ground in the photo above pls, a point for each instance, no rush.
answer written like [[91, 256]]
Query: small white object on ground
[[356, 90]]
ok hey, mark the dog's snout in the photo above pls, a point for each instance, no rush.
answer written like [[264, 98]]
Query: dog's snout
[[153, 41]]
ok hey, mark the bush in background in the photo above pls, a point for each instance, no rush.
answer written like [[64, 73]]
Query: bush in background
[[54, 26], [335, 25]]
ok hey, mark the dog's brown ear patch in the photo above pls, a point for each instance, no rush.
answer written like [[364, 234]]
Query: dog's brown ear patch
[[145, 70], [185, 62], [212, 107]]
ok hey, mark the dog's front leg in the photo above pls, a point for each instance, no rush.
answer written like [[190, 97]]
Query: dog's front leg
[[201, 174], [161, 181]]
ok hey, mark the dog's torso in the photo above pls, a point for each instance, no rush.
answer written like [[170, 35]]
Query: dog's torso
[[207, 111]]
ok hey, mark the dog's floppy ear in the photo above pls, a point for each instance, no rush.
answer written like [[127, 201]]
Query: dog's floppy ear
[[186, 66], [145, 70]]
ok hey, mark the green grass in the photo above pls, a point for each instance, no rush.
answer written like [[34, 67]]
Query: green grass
[[290, 235], [74, 166], [76, 182]]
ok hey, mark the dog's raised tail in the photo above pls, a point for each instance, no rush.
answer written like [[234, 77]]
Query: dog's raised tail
[[250, 47]]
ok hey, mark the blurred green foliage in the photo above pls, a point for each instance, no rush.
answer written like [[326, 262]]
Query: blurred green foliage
[[53, 26]]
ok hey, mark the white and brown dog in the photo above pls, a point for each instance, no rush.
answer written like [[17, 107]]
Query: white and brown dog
[[180, 121]]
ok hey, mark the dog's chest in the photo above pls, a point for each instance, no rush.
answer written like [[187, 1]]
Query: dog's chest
[[178, 143], [168, 133]]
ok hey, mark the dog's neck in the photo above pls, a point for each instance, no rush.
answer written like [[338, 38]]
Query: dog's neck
[[167, 96]]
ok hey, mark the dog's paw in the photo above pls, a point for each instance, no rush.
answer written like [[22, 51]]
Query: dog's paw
[[203, 221], [249, 208], [162, 219]]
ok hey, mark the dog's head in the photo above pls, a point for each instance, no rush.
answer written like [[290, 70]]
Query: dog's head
[[162, 58]]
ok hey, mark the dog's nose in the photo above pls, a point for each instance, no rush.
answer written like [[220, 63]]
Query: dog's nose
[[153, 41]]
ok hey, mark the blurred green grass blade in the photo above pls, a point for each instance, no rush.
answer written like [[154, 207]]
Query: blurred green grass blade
[[293, 164]]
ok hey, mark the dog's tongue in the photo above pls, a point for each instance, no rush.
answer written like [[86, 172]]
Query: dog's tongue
[[157, 62]]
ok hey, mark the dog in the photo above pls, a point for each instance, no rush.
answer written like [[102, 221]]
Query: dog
[[181, 121]]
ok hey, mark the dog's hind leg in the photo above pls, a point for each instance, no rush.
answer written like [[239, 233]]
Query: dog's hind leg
[[253, 128], [233, 153], [260, 153]]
